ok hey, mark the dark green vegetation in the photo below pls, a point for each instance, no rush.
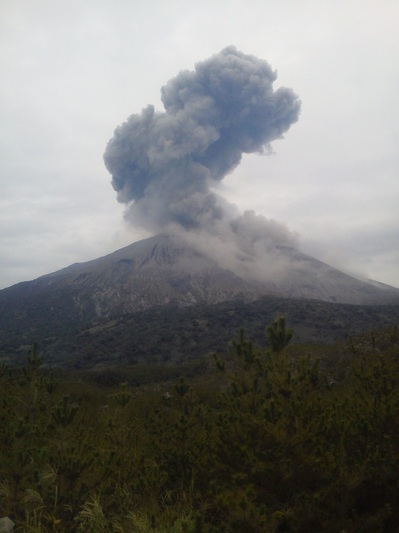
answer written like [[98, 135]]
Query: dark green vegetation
[[173, 334], [296, 438]]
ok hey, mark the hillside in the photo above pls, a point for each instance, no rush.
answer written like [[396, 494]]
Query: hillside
[[159, 298], [163, 334]]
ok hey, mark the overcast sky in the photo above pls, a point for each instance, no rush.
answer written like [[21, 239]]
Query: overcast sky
[[72, 70]]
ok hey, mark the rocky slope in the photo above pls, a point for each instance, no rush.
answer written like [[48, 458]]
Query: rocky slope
[[160, 272]]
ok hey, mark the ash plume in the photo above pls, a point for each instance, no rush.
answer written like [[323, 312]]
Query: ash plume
[[164, 164]]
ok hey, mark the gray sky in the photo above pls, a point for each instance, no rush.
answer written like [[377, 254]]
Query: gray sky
[[71, 71]]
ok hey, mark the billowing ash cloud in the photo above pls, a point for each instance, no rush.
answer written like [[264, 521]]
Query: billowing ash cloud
[[163, 165]]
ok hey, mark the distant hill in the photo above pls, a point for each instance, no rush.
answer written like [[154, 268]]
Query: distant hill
[[88, 312]]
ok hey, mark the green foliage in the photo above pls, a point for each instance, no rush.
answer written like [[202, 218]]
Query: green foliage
[[169, 333], [278, 334], [64, 412], [266, 440]]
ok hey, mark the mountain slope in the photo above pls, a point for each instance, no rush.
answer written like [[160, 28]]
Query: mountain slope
[[161, 272]]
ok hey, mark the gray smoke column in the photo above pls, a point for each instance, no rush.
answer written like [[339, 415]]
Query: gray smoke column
[[164, 164]]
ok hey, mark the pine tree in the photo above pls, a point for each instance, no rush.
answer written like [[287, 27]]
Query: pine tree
[[278, 334]]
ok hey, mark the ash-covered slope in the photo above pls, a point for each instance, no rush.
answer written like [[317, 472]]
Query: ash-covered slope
[[154, 271], [309, 278], [159, 272]]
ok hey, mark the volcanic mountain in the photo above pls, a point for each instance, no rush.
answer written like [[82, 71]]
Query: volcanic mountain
[[158, 272]]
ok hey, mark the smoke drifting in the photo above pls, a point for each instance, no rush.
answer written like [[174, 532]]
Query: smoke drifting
[[164, 164]]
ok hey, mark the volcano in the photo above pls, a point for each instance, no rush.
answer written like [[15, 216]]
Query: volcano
[[163, 272]]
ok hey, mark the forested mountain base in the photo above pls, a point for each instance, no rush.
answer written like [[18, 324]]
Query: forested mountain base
[[263, 440], [174, 334]]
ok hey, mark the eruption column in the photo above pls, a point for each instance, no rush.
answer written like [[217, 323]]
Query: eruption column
[[163, 164]]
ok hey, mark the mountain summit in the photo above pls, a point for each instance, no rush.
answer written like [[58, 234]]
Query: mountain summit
[[161, 270], [158, 273]]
